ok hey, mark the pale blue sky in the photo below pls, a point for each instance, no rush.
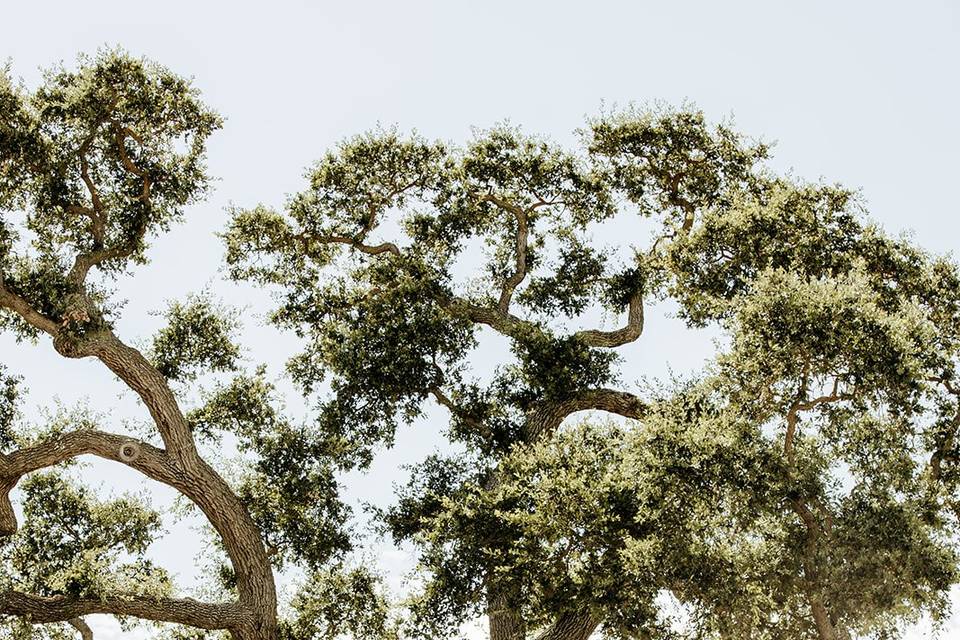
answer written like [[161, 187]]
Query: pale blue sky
[[863, 93]]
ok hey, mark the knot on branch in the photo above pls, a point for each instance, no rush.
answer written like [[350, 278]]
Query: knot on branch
[[78, 312], [74, 316], [129, 451], [79, 320]]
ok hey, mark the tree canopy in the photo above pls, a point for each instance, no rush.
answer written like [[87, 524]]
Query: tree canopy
[[804, 484]]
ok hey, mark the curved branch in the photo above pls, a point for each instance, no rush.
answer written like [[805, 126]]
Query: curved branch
[[547, 416], [86, 633], [190, 474], [198, 482], [520, 251], [385, 247], [178, 611], [618, 337], [150, 461], [143, 378], [120, 135], [141, 456], [12, 302]]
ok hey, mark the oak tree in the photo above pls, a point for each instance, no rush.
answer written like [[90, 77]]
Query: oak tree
[[93, 165], [803, 485]]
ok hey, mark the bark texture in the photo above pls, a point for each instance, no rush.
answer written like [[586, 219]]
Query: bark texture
[[178, 465], [86, 633]]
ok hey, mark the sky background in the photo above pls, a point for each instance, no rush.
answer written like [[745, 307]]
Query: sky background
[[861, 93]]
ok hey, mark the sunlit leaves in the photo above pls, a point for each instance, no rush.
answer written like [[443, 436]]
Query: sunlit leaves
[[354, 185], [105, 155], [9, 396], [73, 544], [739, 495], [196, 339], [341, 602], [673, 160]]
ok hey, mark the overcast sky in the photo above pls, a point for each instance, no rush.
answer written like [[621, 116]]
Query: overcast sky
[[862, 93]]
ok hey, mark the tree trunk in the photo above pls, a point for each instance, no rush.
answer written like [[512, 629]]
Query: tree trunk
[[506, 623], [570, 626], [826, 628]]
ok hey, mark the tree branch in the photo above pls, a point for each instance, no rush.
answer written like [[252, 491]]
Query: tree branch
[[13, 302], [120, 135], [793, 416], [520, 251], [385, 247], [194, 478], [85, 261], [504, 323], [622, 336], [148, 460], [86, 633], [570, 626], [545, 417], [96, 213], [142, 377], [198, 482], [455, 409], [189, 612]]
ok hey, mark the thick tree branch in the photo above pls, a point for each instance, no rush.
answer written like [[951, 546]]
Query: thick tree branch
[[185, 471], [824, 623], [142, 377], [571, 626], [545, 417], [505, 622], [16, 304], [41, 610], [622, 336], [143, 457], [504, 323], [148, 460], [826, 627], [198, 482]]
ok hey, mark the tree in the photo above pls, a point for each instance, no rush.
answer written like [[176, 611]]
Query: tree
[[804, 485], [94, 164]]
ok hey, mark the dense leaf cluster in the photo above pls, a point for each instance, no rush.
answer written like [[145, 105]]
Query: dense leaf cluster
[[288, 479], [74, 544], [9, 395], [98, 161], [772, 498], [196, 339], [805, 484]]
